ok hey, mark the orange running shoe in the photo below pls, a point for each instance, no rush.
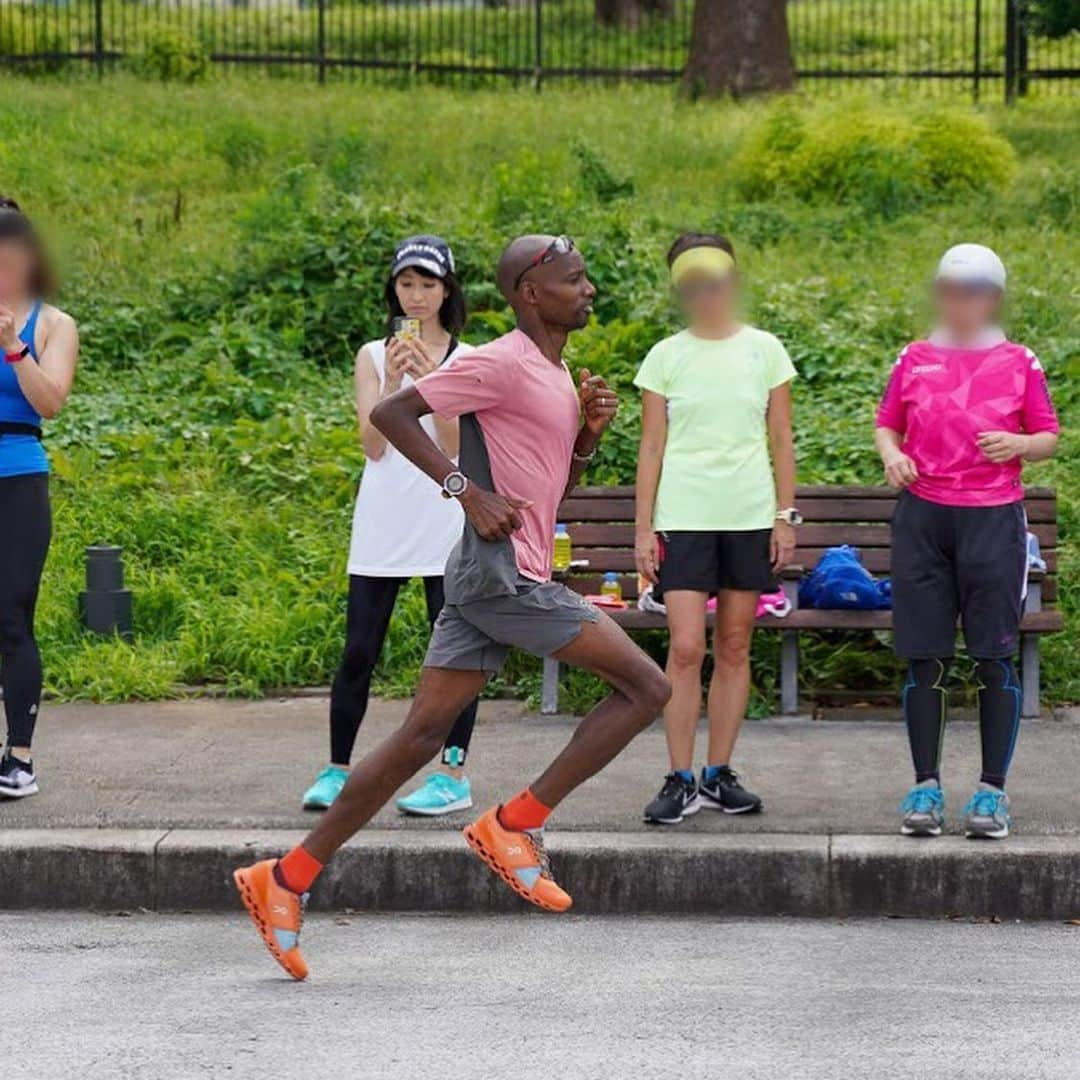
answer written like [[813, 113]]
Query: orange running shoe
[[519, 858], [277, 912]]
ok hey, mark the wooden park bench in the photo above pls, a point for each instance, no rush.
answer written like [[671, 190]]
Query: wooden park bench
[[601, 524]]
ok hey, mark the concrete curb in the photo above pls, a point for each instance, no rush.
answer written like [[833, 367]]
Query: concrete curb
[[608, 873]]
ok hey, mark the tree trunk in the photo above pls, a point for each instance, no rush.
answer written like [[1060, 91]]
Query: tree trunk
[[739, 47], [629, 13]]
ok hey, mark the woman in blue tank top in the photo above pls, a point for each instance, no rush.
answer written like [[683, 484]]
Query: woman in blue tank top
[[40, 346]]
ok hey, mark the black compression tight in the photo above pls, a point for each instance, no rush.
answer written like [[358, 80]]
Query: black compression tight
[[925, 710], [371, 603], [24, 543], [999, 717]]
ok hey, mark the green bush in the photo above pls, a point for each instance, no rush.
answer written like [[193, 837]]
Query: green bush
[[1056, 199], [598, 176], [885, 162], [172, 55], [212, 430], [1053, 18], [240, 144]]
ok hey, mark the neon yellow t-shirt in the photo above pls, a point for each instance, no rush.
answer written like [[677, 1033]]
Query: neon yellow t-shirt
[[716, 473]]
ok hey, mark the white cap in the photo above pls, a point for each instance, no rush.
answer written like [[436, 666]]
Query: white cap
[[972, 264]]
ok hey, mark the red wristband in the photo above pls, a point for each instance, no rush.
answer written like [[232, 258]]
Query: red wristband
[[15, 357]]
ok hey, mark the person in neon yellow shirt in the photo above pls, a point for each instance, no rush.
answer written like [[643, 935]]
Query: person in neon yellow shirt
[[715, 516]]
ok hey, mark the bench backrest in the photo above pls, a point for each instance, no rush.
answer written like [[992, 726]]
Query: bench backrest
[[601, 524]]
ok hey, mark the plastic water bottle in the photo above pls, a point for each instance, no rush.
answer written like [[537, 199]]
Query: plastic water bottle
[[611, 586], [563, 554]]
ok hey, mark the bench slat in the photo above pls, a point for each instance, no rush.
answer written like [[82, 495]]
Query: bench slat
[[805, 491], [876, 560], [577, 509], [1041, 622], [589, 581], [604, 534]]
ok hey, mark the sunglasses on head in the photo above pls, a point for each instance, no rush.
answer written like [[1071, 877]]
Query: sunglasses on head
[[561, 245]]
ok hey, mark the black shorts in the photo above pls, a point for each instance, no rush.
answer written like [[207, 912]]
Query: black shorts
[[949, 561], [710, 561]]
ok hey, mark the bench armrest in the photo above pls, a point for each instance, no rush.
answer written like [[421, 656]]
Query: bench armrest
[[790, 576]]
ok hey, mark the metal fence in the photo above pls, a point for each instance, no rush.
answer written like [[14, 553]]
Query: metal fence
[[1005, 47]]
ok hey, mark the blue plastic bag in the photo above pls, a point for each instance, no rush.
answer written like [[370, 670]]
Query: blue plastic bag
[[841, 581]]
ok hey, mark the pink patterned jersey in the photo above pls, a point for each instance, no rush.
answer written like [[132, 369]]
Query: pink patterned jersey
[[941, 399]]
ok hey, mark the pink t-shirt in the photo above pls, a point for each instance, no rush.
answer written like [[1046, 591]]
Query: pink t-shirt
[[529, 412], [941, 399]]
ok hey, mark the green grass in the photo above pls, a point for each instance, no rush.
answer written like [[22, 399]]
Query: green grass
[[223, 248]]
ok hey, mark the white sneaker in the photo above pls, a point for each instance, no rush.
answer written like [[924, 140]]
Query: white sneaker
[[17, 779]]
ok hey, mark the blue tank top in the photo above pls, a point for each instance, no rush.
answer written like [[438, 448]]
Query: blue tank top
[[20, 454]]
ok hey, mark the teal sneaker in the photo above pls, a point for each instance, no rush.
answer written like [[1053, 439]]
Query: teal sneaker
[[439, 794], [326, 789], [923, 810], [986, 816]]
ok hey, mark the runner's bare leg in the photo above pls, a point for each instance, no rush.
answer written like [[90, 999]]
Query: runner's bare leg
[[640, 690], [440, 697]]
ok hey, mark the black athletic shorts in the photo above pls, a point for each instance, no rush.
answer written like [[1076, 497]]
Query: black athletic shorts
[[947, 561], [709, 561]]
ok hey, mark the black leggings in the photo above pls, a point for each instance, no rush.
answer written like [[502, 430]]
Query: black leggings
[[999, 716], [371, 603], [24, 543]]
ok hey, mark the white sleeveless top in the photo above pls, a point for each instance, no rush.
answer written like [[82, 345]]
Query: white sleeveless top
[[402, 526]]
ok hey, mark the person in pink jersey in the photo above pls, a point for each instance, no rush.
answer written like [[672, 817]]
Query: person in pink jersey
[[527, 433], [962, 412]]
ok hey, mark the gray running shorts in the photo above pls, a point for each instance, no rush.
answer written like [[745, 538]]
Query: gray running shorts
[[541, 618]]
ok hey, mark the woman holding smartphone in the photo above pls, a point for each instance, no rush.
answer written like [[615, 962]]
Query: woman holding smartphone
[[41, 347], [402, 526], [716, 400]]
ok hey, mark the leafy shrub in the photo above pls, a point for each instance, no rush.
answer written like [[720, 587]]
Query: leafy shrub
[[1057, 198], [240, 144], [346, 158], [598, 177], [887, 163], [171, 55], [212, 432], [524, 199], [1053, 18]]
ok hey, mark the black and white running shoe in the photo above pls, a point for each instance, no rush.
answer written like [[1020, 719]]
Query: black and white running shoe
[[678, 798], [17, 779], [724, 792]]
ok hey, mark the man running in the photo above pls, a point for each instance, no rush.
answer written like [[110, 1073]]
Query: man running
[[527, 435]]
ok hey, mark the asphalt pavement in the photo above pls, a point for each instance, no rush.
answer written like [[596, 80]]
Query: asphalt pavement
[[507, 997]]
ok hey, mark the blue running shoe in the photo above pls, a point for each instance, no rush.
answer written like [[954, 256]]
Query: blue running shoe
[[923, 810], [439, 794], [986, 816], [326, 789]]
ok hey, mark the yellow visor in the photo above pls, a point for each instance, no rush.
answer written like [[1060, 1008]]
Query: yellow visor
[[710, 262]]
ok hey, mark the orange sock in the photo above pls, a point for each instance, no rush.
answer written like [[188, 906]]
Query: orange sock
[[524, 811], [298, 870]]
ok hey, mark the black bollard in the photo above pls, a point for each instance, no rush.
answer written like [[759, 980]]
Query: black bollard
[[106, 605]]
